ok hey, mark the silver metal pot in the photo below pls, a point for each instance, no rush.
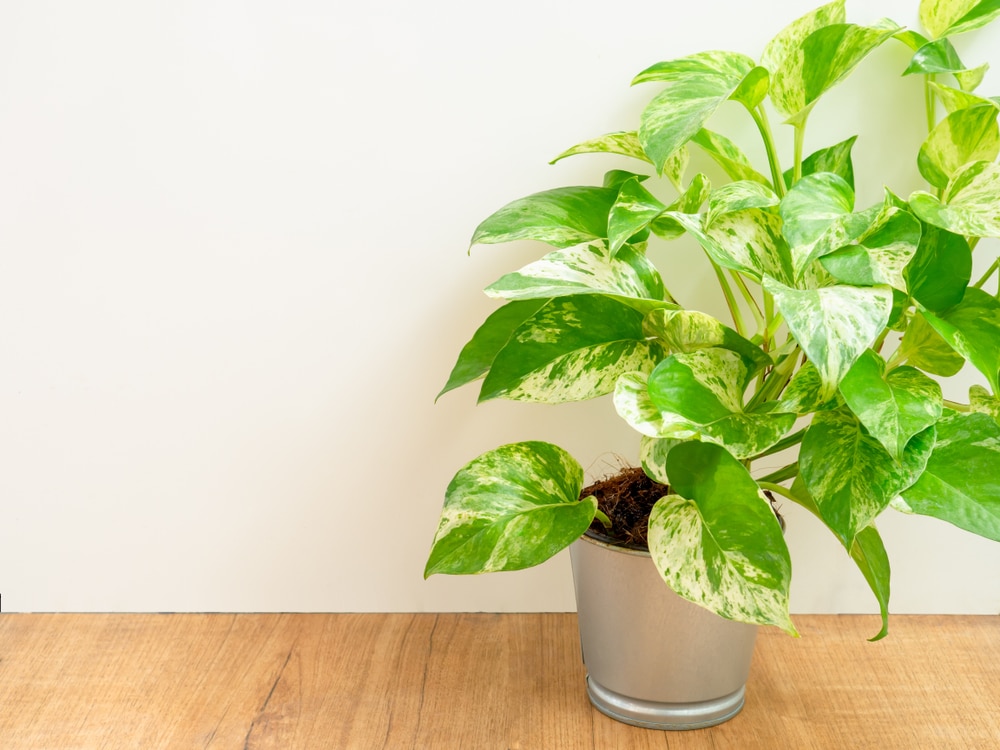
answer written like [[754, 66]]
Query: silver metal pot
[[654, 659]]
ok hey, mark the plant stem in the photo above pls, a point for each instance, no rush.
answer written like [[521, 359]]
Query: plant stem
[[929, 103], [602, 517], [786, 442], [734, 308], [986, 276], [958, 406], [800, 137], [760, 117], [748, 296], [783, 491]]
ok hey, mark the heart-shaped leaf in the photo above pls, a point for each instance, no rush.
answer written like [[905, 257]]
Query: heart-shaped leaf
[[981, 401], [562, 217], [789, 40], [634, 405], [694, 88], [892, 406], [477, 355], [717, 542], [584, 269], [850, 475], [940, 270], [964, 136], [939, 56], [689, 330], [972, 328], [573, 348], [961, 484], [950, 17], [880, 254], [511, 508], [633, 211], [833, 325], [835, 159], [969, 206], [923, 347]]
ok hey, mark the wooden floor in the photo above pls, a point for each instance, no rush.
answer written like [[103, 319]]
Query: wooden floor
[[467, 681]]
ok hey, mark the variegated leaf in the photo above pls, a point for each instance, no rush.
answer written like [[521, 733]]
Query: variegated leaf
[[688, 202], [969, 80], [812, 205], [717, 542], [803, 394], [867, 552], [739, 196], [850, 475], [955, 99], [749, 241], [835, 159], [753, 88], [676, 165], [833, 325], [705, 388], [969, 205], [584, 269], [574, 348], [728, 155], [511, 508], [633, 404], [939, 272], [950, 17], [694, 87], [624, 143], [789, 40], [892, 406], [972, 328], [880, 255], [633, 211], [939, 56], [653, 454], [688, 330], [615, 178], [923, 347], [477, 355], [963, 136], [961, 484], [824, 58], [562, 217], [983, 402]]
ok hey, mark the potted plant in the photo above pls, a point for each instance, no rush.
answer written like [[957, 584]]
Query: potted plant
[[843, 320]]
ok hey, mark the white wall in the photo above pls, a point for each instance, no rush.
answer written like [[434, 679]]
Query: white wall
[[234, 277]]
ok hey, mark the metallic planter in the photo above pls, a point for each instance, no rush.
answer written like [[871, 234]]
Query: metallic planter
[[654, 659]]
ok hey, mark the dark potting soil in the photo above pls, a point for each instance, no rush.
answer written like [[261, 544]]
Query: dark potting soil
[[626, 499]]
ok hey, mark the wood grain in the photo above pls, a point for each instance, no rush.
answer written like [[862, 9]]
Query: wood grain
[[467, 681]]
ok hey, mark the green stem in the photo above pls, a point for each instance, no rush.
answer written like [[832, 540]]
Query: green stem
[[734, 308], [760, 117], [776, 381], [929, 103], [748, 296], [958, 406], [783, 491], [787, 442], [602, 517], [800, 137], [986, 276]]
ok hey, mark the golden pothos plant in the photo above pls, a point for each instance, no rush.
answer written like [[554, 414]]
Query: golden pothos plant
[[843, 321]]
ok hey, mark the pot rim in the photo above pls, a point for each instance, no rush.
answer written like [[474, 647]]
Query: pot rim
[[601, 540]]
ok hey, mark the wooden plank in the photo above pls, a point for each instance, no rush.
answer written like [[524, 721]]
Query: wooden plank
[[466, 680]]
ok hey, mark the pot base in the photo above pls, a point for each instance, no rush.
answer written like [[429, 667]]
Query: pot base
[[652, 715]]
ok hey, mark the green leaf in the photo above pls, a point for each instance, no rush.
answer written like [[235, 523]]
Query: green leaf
[[690, 330], [633, 211], [561, 217], [969, 80], [728, 155], [488, 340], [676, 165], [955, 99], [939, 56], [624, 143], [880, 255], [812, 205], [717, 542], [970, 205], [749, 241], [511, 508], [961, 484], [572, 349], [892, 406], [825, 57], [940, 271], [688, 202], [694, 89], [924, 348], [833, 325], [804, 392], [972, 328], [739, 196], [584, 269], [634, 405], [789, 40], [850, 475], [653, 454], [705, 389], [615, 178], [753, 88], [951, 17], [983, 402], [835, 159], [867, 552], [963, 136]]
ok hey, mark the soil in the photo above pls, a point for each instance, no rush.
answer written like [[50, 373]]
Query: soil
[[626, 498]]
